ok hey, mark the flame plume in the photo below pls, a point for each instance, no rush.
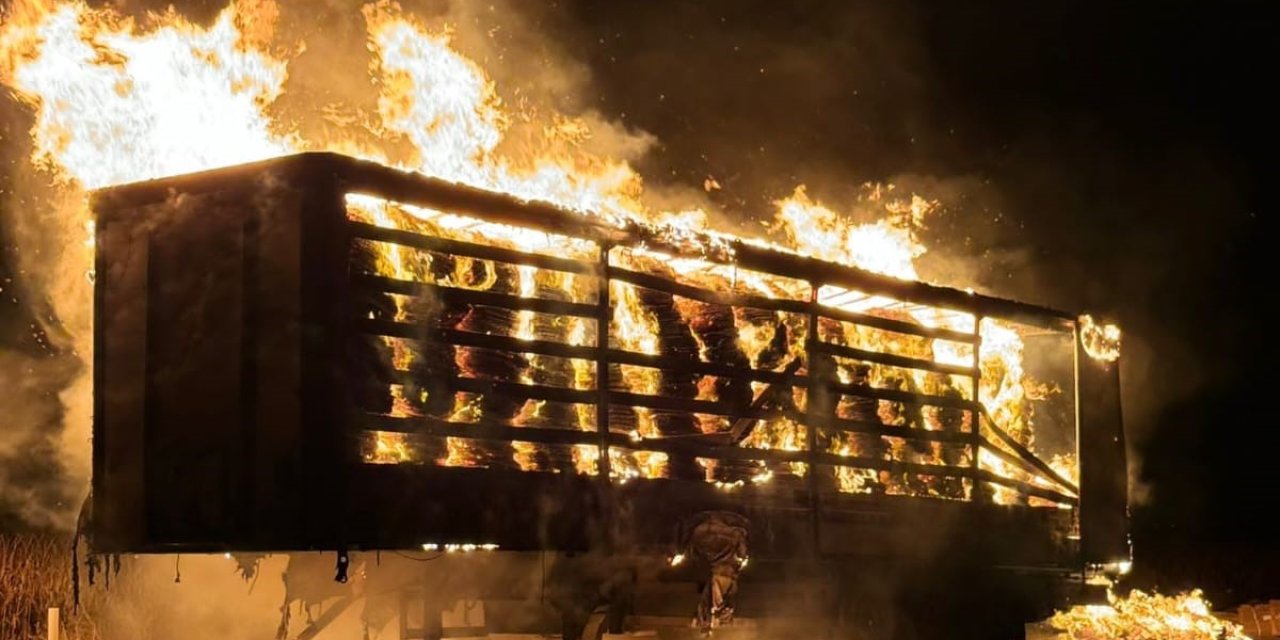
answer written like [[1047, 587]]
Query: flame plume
[[118, 103], [117, 99]]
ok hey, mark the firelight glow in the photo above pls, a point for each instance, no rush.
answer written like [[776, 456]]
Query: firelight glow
[[118, 100]]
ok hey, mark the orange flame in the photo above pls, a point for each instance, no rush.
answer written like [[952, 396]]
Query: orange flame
[[118, 101], [1101, 341]]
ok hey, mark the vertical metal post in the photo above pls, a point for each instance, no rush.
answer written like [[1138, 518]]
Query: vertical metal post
[[1104, 482], [1076, 347], [324, 331], [55, 624], [603, 316], [250, 267], [975, 437], [1075, 372], [98, 443], [816, 402]]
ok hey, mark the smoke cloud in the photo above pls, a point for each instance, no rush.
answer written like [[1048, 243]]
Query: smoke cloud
[[44, 354], [33, 487]]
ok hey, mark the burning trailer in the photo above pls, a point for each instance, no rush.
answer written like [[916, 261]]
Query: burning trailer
[[321, 353]]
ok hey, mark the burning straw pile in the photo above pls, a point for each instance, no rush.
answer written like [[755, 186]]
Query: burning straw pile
[[1142, 616]]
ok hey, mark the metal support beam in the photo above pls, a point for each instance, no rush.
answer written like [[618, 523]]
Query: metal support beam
[[817, 406], [976, 492], [604, 315]]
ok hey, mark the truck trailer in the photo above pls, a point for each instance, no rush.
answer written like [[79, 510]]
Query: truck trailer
[[321, 354]]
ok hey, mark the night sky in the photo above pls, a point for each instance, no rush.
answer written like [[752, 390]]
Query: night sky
[[1090, 156]]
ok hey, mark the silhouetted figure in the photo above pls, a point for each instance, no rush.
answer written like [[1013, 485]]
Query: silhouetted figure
[[717, 542]]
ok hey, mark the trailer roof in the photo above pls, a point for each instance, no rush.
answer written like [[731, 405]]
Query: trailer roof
[[360, 176]]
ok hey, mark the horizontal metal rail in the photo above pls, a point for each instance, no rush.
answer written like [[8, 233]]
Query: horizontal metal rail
[[880, 357], [1017, 461], [896, 326], [468, 249], [804, 307], [522, 390], [614, 356], [455, 337], [460, 296], [483, 430], [905, 397], [1026, 488], [645, 400], [684, 405], [829, 425], [894, 431], [619, 356], [658, 283], [1026, 454], [504, 433], [544, 347]]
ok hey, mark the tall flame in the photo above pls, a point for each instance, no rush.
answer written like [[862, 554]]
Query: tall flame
[[448, 109], [888, 246], [117, 103]]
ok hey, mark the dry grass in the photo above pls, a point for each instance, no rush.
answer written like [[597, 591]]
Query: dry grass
[[144, 601], [35, 574]]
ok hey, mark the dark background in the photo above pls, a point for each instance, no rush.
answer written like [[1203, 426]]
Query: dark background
[[1092, 156], [1089, 156]]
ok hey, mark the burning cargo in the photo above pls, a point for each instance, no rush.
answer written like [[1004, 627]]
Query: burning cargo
[[317, 352]]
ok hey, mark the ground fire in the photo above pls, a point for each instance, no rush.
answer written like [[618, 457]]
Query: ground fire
[[1140, 616], [470, 332]]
